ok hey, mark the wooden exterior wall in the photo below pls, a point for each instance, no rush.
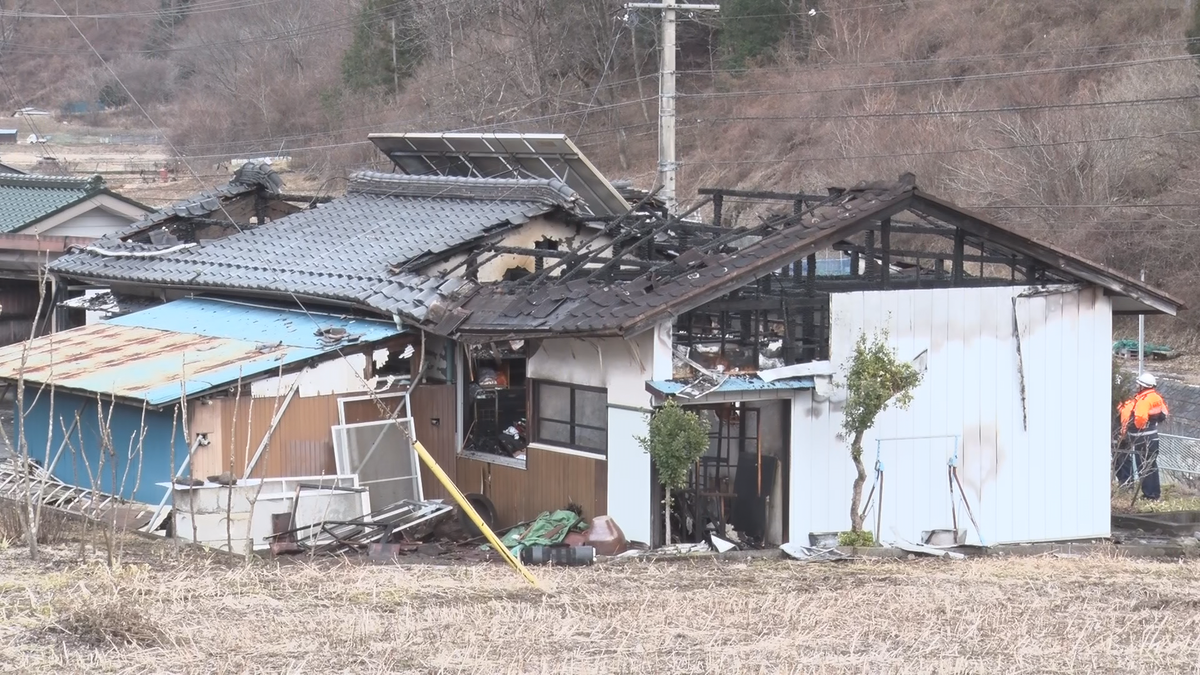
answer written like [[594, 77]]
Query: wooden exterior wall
[[550, 481], [302, 444]]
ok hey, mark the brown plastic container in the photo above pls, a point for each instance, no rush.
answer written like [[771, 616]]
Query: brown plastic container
[[606, 536]]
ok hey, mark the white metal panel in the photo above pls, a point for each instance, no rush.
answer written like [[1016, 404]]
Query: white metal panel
[[629, 474], [383, 459], [1040, 481]]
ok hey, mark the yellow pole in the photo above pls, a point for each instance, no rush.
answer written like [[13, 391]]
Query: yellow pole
[[472, 514]]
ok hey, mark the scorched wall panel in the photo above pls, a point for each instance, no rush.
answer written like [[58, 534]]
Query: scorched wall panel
[[1030, 429]]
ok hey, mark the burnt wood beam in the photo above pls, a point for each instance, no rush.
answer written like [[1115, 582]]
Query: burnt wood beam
[[808, 318], [1058, 259], [885, 246], [761, 304], [907, 253], [766, 195], [956, 273], [542, 253], [717, 201], [869, 250], [545, 274], [904, 228], [649, 237]]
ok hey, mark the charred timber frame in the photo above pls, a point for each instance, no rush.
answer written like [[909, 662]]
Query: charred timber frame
[[742, 330]]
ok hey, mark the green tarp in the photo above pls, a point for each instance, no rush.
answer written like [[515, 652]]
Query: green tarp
[[549, 529]]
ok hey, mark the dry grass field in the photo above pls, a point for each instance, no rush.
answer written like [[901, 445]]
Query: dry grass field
[[165, 611]]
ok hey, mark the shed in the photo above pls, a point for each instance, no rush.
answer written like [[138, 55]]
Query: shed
[[8, 136], [104, 402]]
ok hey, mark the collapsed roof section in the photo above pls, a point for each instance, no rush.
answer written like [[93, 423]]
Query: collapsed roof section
[[650, 269], [253, 196], [352, 250]]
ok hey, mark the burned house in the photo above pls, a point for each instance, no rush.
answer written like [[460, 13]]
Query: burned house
[[547, 315]]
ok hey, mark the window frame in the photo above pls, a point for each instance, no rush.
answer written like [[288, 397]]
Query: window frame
[[535, 417]]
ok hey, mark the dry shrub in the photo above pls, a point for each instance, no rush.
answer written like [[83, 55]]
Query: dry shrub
[[54, 527], [116, 619]]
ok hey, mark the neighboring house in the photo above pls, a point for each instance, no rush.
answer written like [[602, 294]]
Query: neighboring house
[[8, 136], [537, 295], [40, 217]]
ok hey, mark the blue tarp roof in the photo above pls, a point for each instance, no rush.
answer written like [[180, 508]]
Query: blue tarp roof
[[735, 384], [209, 343]]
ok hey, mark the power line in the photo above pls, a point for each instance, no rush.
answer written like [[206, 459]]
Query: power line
[[182, 10], [922, 153], [941, 80], [948, 60], [957, 112]]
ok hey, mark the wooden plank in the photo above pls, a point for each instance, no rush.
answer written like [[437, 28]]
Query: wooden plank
[[550, 481], [762, 194]]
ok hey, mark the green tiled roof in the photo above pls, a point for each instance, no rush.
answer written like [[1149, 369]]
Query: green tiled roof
[[25, 199]]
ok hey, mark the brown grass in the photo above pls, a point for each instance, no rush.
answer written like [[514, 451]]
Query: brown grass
[[53, 526], [169, 612], [1174, 498]]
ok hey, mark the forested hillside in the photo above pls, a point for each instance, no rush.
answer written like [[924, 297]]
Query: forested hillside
[[1073, 119]]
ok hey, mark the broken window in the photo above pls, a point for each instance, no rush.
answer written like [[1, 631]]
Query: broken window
[[495, 401], [571, 416]]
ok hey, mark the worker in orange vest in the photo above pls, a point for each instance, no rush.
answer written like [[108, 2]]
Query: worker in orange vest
[[1140, 417]]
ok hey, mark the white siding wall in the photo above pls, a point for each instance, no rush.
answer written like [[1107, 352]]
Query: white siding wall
[[622, 367], [95, 223], [1041, 481]]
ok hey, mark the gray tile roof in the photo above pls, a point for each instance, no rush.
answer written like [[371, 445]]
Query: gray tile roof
[[343, 250], [26, 199]]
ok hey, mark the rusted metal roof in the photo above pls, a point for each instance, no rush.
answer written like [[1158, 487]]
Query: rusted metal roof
[[186, 347]]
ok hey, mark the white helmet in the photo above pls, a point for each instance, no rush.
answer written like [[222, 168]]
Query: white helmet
[[1147, 381]]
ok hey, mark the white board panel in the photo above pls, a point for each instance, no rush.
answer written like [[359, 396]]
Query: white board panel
[[1033, 469], [629, 473]]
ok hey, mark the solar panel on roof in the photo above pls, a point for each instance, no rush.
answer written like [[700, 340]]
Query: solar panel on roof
[[504, 156]]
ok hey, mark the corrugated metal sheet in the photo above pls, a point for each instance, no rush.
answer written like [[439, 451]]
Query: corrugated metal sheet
[[1033, 471], [206, 343], [735, 384]]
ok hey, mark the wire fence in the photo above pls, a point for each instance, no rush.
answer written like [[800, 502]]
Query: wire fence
[[1180, 454]]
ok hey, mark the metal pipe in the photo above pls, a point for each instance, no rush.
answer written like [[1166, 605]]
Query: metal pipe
[[1141, 334]]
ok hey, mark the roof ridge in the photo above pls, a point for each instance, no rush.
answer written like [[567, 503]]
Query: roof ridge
[[551, 190], [93, 183]]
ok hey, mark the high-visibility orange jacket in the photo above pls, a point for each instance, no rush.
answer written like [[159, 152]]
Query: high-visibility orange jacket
[[1145, 408]]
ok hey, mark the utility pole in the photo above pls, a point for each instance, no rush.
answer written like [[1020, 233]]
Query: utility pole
[[666, 91], [395, 71], [1141, 333]]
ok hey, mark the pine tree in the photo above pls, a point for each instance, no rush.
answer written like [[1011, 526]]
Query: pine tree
[[386, 48]]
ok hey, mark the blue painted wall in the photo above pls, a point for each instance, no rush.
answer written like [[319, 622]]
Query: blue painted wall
[[131, 445]]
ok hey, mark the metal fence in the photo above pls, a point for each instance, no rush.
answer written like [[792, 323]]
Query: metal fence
[[1180, 454]]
